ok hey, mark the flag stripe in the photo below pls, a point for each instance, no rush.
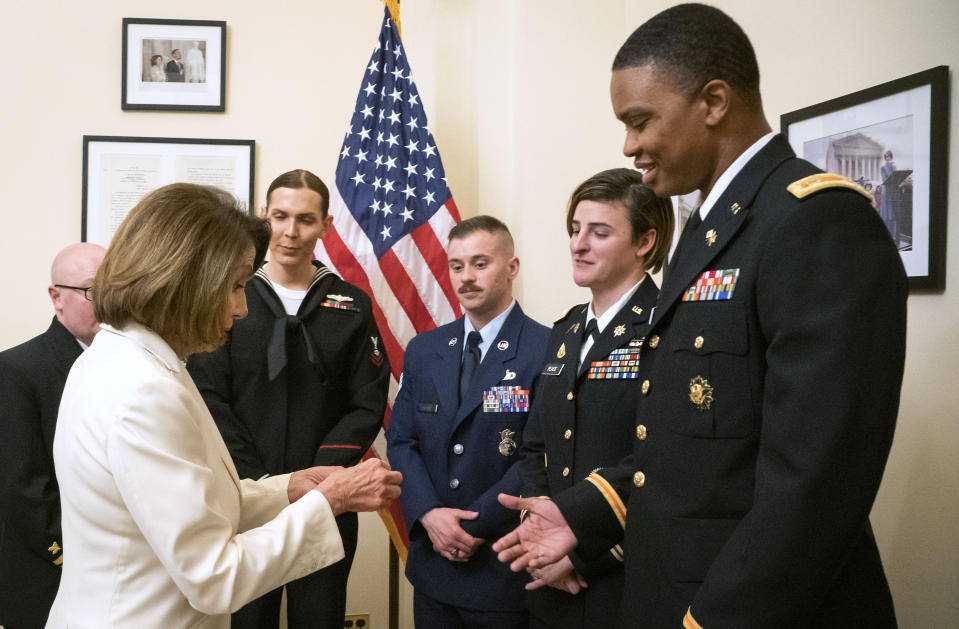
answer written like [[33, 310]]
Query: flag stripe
[[434, 255], [424, 279]]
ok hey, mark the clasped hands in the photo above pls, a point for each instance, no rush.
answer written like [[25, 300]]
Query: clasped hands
[[449, 539], [369, 486], [540, 545]]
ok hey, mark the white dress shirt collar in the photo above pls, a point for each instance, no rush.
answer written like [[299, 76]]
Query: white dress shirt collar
[[489, 332], [730, 173]]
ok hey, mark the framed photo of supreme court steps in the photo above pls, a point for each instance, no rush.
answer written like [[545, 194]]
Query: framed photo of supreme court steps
[[892, 139], [173, 65]]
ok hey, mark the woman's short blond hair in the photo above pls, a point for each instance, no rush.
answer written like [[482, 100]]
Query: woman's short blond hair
[[170, 261]]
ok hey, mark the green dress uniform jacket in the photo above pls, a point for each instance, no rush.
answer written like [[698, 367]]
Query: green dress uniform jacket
[[769, 412], [582, 421], [32, 376]]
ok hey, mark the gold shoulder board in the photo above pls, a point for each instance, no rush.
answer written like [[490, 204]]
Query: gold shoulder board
[[565, 313], [814, 183]]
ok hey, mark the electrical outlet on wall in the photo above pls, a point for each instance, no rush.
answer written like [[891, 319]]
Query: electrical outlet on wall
[[357, 621]]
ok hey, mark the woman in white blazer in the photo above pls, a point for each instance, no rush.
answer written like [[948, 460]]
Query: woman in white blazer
[[158, 530]]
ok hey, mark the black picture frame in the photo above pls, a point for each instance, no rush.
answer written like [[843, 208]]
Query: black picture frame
[[200, 83], [119, 170], [908, 117]]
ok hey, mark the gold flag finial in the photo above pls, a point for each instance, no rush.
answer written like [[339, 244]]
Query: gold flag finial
[[394, 7]]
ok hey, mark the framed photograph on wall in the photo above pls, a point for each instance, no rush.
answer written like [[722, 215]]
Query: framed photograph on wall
[[893, 140], [173, 65], [119, 171]]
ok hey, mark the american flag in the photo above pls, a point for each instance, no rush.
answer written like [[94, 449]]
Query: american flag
[[392, 209]]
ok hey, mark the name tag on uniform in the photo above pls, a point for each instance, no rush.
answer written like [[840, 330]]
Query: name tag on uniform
[[506, 400], [428, 407], [713, 286], [621, 364], [553, 369]]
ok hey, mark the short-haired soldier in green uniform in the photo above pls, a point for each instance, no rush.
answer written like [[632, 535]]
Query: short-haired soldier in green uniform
[[771, 371]]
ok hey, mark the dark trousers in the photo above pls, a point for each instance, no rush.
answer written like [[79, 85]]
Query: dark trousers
[[429, 613], [317, 601]]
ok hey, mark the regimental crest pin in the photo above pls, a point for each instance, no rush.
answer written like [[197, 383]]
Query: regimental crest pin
[[711, 237], [701, 393], [620, 330], [506, 445], [735, 208], [502, 345], [562, 351], [452, 341]]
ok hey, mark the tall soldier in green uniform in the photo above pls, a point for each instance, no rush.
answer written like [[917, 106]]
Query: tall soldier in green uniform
[[301, 381], [770, 378], [586, 395]]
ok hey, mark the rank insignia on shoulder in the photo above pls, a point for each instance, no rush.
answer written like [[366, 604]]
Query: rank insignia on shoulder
[[713, 286], [340, 302], [564, 315], [54, 548], [573, 329], [823, 181], [701, 393]]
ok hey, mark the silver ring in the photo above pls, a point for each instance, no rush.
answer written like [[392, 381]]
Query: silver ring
[[455, 552]]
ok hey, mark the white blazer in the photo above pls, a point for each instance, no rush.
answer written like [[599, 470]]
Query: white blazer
[[158, 531]]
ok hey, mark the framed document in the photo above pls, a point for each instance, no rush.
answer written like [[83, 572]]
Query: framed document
[[119, 171], [173, 65], [893, 140]]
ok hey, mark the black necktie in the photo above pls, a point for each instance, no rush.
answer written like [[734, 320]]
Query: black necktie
[[591, 331], [471, 358], [692, 223]]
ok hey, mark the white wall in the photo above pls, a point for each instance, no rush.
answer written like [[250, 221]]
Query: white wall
[[517, 95]]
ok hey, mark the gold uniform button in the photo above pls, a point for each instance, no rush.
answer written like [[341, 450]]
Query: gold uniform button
[[639, 479], [645, 387], [569, 396], [640, 432], [654, 341], [567, 434], [698, 343], [565, 472]]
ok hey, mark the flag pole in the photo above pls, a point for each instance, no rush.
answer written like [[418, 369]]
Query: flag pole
[[394, 583]]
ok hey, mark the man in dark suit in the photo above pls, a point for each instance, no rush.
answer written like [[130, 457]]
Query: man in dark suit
[[772, 369], [174, 67], [32, 376], [455, 432]]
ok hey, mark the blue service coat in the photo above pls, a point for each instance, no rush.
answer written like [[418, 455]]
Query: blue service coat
[[450, 455]]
